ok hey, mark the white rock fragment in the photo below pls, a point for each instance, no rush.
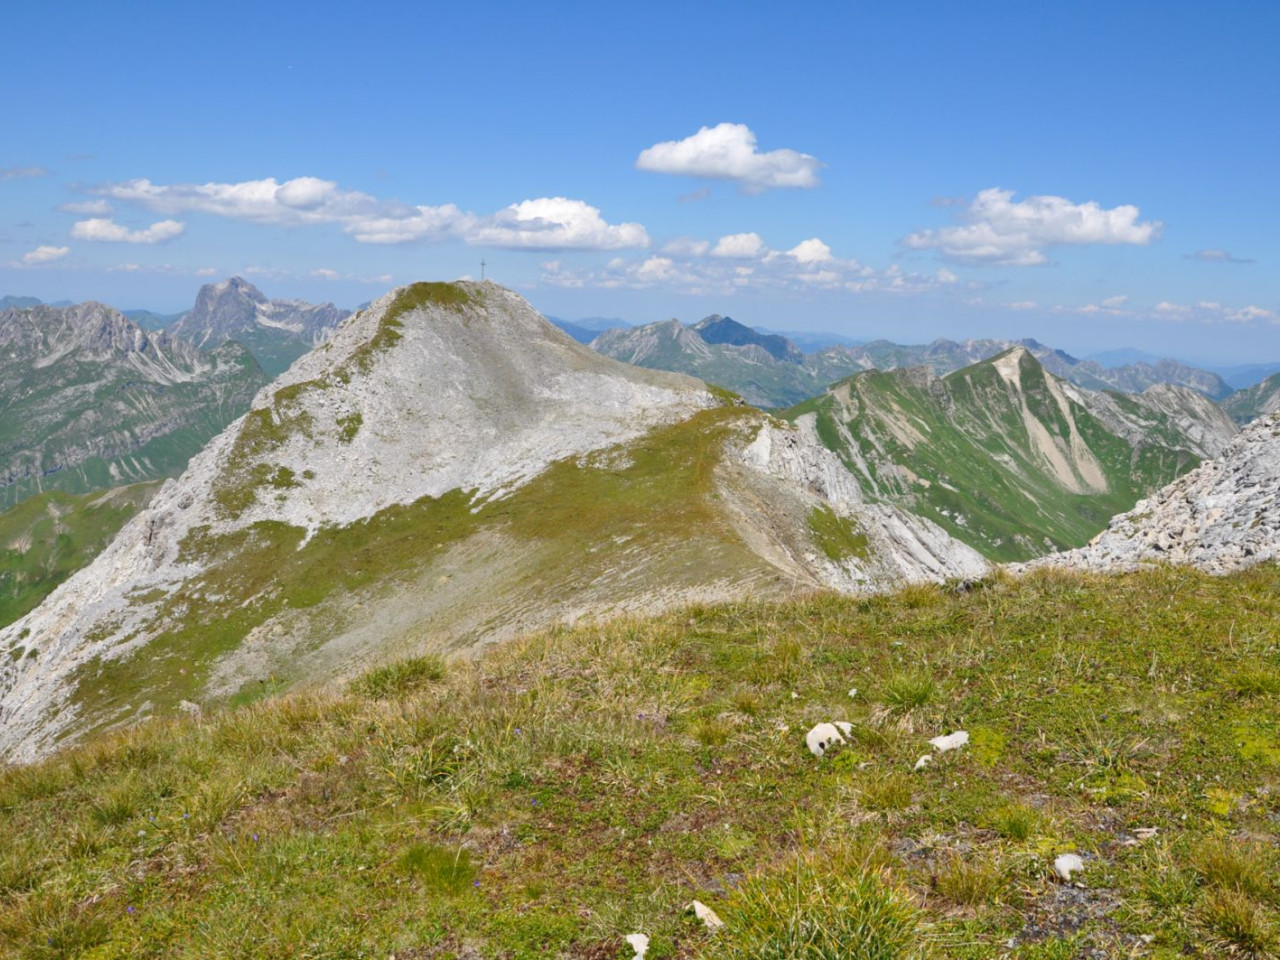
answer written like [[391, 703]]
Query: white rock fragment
[[824, 735], [853, 692], [952, 741], [923, 762], [706, 915], [1065, 865], [640, 943]]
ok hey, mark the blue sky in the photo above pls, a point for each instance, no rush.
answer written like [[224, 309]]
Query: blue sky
[[1094, 175]]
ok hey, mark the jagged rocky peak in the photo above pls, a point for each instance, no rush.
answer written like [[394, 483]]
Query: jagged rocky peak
[[1220, 517], [235, 307], [726, 330], [91, 331]]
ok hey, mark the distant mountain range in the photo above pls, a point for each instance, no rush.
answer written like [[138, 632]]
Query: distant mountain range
[[1007, 457], [276, 332], [771, 371], [91, 400]]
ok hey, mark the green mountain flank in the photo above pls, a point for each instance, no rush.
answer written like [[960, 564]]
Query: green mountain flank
[[1007, 457], [92, 401], [575, 787], [48, 537]]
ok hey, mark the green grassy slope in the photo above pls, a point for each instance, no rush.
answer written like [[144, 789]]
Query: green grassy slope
[[47, 538], [80, 426], [641, 518], [572, 788], [974, 468]]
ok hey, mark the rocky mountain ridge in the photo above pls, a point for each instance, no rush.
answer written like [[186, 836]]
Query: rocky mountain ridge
[[1258, 400], [447, 470], [771, 371], [1220, 517], [91, 400], [277, 332], [1006, 456]]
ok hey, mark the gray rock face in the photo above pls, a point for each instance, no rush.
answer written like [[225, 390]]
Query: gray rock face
[[90, 400], [1220, 517], [277, 332], [901, 547]]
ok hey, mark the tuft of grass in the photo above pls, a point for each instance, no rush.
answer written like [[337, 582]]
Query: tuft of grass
[[1233, 865], [1016, 821], [450, 872], [1255, 682], [818, 908], [711, 731], [1239, 927], [905, 692], [401, 678], [887, 794], [970, 880]]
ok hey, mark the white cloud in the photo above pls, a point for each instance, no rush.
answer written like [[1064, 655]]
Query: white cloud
[[1023, 305], [555, 223], [45, 254], [419, 223], [1115, 303], [207, 272], [728, 151], [997, 230], [744, 261], [546, 223], [102, 230], [812, 250], [740, 246], [325, 274], [88, 208], [298, 202]]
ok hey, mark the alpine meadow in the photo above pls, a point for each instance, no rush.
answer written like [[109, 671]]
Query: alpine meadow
[[640, 483]]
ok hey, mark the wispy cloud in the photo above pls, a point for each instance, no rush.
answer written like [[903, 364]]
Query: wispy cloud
[[546, 223], [99, 230], [728, 151], [87, 208], [1214, 256], [744, 262], [22, 173], [45, 254], [996, 230]]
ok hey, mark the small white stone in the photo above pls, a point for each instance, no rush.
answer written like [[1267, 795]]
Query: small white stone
[[820, 738], [923, 762], [1066, 864], [952, 741], [853, 691], [706, 915], [640, 943]]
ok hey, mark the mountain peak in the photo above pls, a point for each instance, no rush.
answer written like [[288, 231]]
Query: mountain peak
[[276, 331], [726, 330]]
